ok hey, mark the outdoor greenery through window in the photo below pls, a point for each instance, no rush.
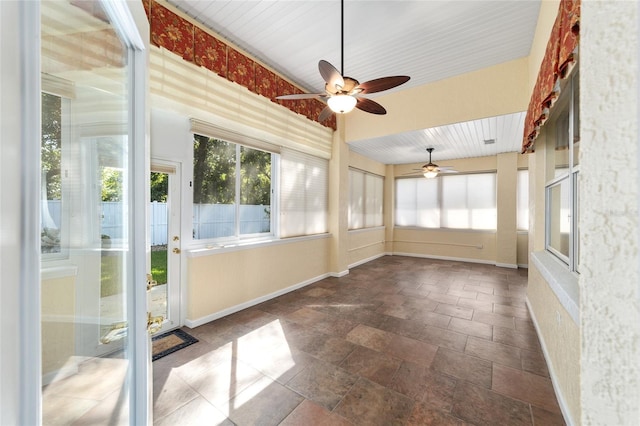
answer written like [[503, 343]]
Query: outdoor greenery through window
[[459, 202], [232, 193], [365, 199], [51, 157]]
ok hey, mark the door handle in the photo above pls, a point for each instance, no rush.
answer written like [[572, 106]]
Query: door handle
[[176, 250]]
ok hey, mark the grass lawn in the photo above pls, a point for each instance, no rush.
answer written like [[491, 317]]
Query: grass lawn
[[111, 271]]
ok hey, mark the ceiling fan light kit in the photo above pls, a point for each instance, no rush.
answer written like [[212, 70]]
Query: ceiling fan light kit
[[343, 94], [342, 104]]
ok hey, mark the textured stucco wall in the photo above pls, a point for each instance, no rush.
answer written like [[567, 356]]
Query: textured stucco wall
[[610, 319]]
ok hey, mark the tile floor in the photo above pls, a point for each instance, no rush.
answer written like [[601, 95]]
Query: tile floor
[[402, 341]]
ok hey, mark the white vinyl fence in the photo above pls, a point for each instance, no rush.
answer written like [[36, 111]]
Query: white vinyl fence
[[209, 220]]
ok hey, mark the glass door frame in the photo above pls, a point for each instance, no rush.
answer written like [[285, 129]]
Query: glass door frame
[[129, 19]]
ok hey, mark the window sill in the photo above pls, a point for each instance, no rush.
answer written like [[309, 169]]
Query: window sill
[[563, 282], [373, 228], [248, 245], [418, 228]]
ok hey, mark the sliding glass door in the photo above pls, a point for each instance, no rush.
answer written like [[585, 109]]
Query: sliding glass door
[[94, 347]]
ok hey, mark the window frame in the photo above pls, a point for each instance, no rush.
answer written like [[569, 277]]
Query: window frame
[[439, 202], [364, 213], [566, 114], [274, 180]]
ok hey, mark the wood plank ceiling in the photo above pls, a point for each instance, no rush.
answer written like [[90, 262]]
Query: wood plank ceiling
[[427, 40]]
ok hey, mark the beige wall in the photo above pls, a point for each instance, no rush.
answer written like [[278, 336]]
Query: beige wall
[[58, 319], [500, 247], [560, 337], [220, 282]]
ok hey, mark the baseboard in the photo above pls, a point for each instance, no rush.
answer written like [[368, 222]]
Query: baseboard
[[507, 265], [523, 265], [368, 259], [338, 274], [191, 323], [69, 369], [456, 259], [561, 400]]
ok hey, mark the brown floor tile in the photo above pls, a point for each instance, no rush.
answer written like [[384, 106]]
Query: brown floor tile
[[482, 406], [534, 362], [328, 348], [493, 351], [309, 413], [454, 311], [471, 328], [432, 318], [411, 350], [369, 337], [512, 311], [368, 403], [531, 388], [373, 365], [423, 384], [265, 402], [398, 340], [323, 383], [426, 415], [546, 418], [494, 319], [462, 366], [443, 337], [407, 328], [522, 339], [195, 413]]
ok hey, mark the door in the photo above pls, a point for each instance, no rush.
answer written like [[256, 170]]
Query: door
[[94, 346], [163, 293]]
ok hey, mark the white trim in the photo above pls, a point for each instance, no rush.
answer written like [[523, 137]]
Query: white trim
[[59, 271], [563, 282], [250, 244], [30, 346], [552, 374], [456, 259], [191, 323], [369, 229], [339, 274], [367, 260], [523, 265], [507, 265]]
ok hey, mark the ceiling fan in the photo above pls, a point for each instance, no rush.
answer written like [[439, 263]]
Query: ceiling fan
[[431, 170], [342, 94]]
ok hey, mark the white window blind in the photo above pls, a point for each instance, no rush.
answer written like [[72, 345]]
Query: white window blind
[[523, 200], [366, 192], [463, 202], [303, 194], [417, 203]]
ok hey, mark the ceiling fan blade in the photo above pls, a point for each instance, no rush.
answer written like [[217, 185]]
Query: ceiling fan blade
[[300, 96], [325, 114], [368, 105], [384, 83], [331, 75]]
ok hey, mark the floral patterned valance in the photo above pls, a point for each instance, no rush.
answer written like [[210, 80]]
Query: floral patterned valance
[[196, 45], [556, 64]]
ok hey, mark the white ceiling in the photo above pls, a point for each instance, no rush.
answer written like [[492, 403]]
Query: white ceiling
[[427, 40]]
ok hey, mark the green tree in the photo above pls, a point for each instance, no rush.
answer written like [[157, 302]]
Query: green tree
[[159, 187], [51, 146], [111, 184]]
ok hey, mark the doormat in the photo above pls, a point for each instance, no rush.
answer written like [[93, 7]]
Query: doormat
[[169, 342]]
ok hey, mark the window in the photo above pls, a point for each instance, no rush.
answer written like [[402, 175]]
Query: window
[[365, 199], [232, 191], [561, 190], [303, 194], [522, 203], [460, 202]]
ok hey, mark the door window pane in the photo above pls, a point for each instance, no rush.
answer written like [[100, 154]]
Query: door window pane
[[559, 217], [85, 283]]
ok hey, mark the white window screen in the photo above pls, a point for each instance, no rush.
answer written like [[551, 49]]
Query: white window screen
[[463, 202], [303, 194], [366, 194], [523, 200]]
